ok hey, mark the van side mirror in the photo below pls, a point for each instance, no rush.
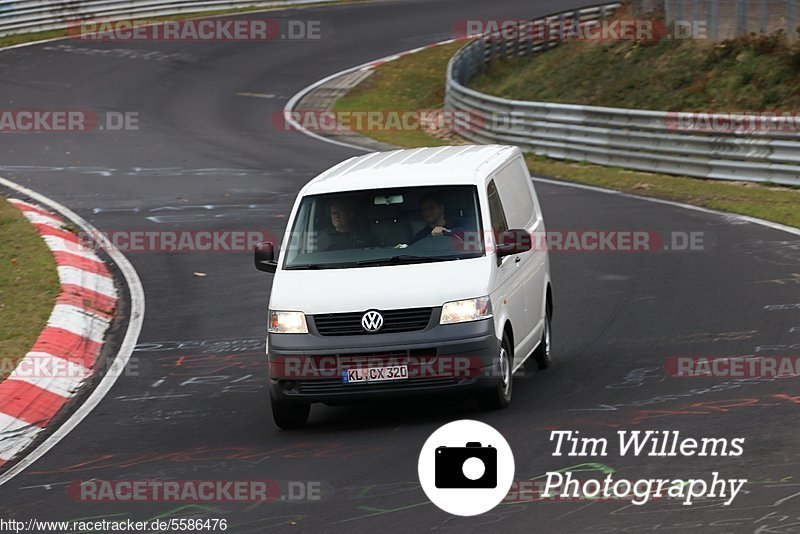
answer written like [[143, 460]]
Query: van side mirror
[[265, 257], [513, 241]]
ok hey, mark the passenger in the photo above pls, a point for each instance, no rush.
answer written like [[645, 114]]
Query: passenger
[[346, 233]]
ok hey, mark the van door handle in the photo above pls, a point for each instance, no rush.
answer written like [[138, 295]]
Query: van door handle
[[517, 259]]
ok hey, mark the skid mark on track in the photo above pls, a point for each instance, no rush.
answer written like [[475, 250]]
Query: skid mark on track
[[121, 53], [152, 171], [205, 345], [224, 454]]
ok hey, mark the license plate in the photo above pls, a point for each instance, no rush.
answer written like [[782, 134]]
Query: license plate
[[375, 374]]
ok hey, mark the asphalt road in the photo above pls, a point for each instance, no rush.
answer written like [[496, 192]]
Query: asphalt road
[[206, 158]]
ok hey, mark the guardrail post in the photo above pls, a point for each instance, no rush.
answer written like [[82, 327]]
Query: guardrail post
[[741, 17], [713, 18], [479, 59], [696, 14], [576, 16], [462, 65], [791, 19]]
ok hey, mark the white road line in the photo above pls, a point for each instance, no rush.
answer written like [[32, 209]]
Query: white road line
[[137, 310], [745, 218], [257, 95]]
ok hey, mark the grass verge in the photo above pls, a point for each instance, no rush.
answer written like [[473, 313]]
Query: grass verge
[[28, 286], [753, 72], [403, 85], [417, 82]]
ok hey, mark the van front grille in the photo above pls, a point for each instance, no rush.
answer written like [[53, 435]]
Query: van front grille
[[394, 321]]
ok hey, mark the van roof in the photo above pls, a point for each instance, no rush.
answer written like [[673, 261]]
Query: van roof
[[449, 165]]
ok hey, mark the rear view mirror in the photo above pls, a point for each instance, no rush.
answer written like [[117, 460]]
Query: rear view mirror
[[514, 241], [388, 200], [265, 257]]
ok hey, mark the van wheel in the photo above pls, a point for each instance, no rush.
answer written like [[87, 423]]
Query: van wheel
[[289, 415], [542, 353], [499, 396]]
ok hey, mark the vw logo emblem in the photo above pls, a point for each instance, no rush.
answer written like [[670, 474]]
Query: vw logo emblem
[[372, 321]]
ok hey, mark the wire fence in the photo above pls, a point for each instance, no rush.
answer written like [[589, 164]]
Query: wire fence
[[726, 19]]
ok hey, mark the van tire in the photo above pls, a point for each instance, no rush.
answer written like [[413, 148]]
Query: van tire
[[289, 415], [499, 397], [542, 355]]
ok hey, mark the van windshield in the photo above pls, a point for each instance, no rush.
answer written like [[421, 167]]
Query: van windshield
[[386, 227]]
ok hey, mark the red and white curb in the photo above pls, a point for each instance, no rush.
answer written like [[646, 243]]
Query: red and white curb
[[63, 357]]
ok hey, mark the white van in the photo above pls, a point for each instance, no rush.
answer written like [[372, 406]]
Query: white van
[[408, 272]]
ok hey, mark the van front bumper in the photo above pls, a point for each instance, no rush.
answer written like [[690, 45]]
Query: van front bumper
[[441, 358]]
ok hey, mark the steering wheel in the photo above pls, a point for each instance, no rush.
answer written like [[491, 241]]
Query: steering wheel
[[446, 233]]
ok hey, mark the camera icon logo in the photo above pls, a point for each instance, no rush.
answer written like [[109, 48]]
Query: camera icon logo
[[472, 466], [464, 476]]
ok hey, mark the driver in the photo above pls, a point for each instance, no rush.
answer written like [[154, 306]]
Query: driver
[[432, 209]]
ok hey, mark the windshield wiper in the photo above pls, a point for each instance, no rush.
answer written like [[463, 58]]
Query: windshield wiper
[[394, 260], [318, 266], [304, 267], [405, 258]]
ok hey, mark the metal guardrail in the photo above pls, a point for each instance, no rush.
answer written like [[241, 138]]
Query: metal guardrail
[[26, 16], [628, 138]]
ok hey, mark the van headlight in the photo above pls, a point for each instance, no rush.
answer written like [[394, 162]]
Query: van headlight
[[285, 322], [462, 311]]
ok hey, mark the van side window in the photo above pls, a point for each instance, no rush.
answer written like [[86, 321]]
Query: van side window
[[515, 190], [496, 213]]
